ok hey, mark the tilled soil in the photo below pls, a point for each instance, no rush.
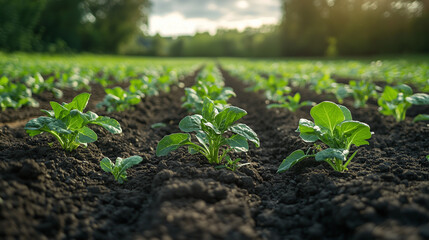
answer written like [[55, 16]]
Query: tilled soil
[[46, 193]]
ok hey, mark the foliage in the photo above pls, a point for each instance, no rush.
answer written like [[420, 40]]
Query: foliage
[[333, 125], [68, 123], [15, 95], [396, 101], [421, 117], [362, 91], [38, 85], [211, 128], [119, 169], [117, 99], [291, 103]]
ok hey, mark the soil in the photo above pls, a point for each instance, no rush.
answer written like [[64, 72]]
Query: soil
[[47, 193]]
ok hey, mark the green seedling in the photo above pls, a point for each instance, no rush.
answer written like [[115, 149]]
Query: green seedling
[[291, 103], [68, 124], [362, 91], [117, 99], [396, 101], [15, 95], [211, 128], [194, 96], [421, 117], [333, 125], [119, 169]]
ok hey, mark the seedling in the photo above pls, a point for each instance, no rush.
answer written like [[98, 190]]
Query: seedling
[[119, 169], [396, 101], [291, 103], [421, 117], [333, 125], [362, 91], [210, 129], [15, 95], [231, 164], [117, 99], [68, 124]]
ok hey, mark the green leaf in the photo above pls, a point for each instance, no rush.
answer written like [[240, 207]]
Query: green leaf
[[37, 125], [389, 94], [106, 165], [209, 110], [356, 132], [191, 123], [109, 124], [331, 153], [418, 99], [238, 143], [86, 135], [228, 116], [421, 117], [80, 101], [327, 115], [407, 90], [346, 112], [307, 130], [172, 142], [291, 160], [245, 131], [76, 120], [59, 110], [129, 162]]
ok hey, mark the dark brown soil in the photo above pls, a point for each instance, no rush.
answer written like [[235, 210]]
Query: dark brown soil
[[46, 193]]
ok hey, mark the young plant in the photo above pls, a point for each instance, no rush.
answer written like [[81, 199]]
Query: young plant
[[333, 125], [68, 124], [194, 97], [211, 128], [396, 101], [117, 99], [119, 169], [362, 91], [291, 103], [421, 117], [15, 95]]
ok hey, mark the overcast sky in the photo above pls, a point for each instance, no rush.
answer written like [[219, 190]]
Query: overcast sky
[[186, 17]]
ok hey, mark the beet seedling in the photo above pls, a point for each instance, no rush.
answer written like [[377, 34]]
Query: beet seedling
[[210, 129], [333, 125], [68, 124], [119, 169], [291, 103]]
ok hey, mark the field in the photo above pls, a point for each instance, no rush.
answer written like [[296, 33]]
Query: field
[[49, 191]]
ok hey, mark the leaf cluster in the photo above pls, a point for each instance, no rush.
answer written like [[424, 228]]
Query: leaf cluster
[[397, 100], [119, 169], [333, 125], [15, 95], [118, 99], [211, 130], [68, 123], [292, 103]]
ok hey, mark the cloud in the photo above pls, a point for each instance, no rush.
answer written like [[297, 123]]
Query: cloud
[[185, 17]]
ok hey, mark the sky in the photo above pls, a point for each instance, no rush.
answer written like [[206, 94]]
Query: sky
[[186, 17]]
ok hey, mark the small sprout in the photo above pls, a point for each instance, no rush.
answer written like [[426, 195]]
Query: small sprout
[[210, 129], [68, 124], [119, 169], [333, 125], [231, 164], [291, 103]]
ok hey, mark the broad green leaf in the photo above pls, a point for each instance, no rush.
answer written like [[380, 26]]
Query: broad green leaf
[[129, 162], [228, 116], [172, 142], [202, 137], [331, 153], [80, 101], [346, 112], [418, 99], [207, 126], [59, 127], [356, 132], [421, 117], [238, 143], [191, 123], [407, 90], [209, 110], [106, 165], [291, 160], [109, 124], [76, 120], [245, 131], [59, 110], [389, 94], [327, 115], [38, 125], [307, 130], [86, 135], [297, 97], [133, 100]]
